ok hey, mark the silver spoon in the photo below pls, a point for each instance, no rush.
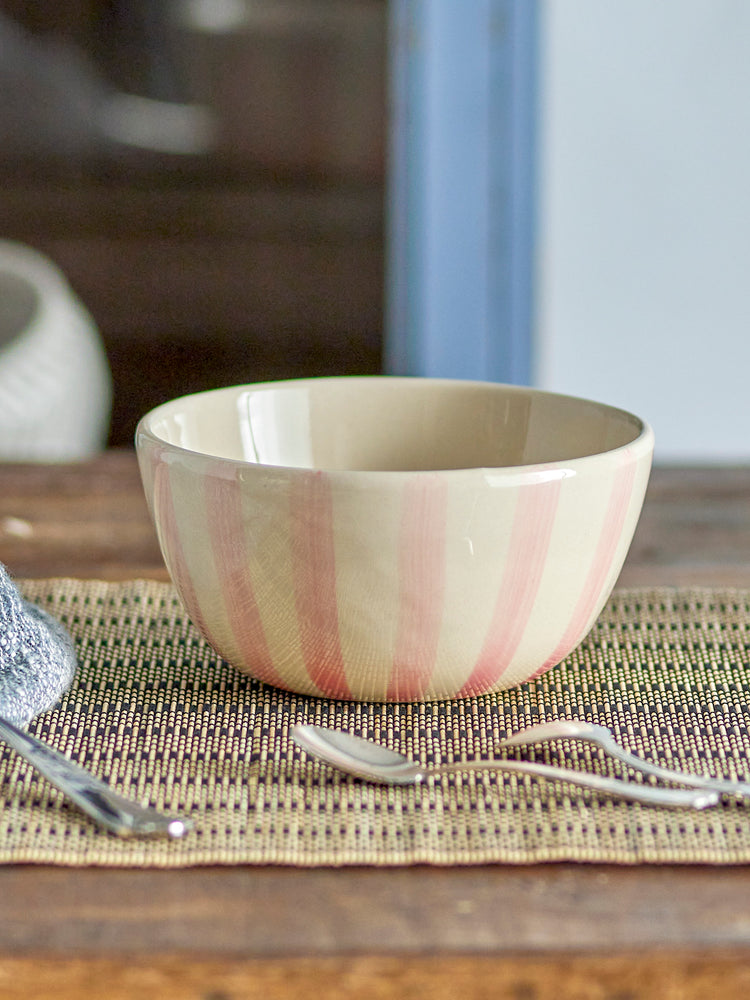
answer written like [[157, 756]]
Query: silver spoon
[[373, 762], [93, 796], [589, 732]]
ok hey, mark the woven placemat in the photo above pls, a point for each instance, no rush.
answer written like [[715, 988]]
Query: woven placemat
[[155, 711]]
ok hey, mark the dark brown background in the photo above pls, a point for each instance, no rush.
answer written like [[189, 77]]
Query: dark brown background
[[262, 259]]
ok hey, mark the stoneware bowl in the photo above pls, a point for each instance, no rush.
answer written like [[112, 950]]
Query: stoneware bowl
[[393, 539], [55, 383]]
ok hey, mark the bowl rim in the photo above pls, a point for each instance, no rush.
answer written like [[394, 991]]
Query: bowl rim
[[642, 443]]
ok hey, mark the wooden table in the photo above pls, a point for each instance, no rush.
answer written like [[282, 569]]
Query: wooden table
[[563, 931]]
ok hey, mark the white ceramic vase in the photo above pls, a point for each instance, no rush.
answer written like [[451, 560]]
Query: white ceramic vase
[[55, 383]]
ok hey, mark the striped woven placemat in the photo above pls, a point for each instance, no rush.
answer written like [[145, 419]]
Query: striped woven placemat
[[157, 713]]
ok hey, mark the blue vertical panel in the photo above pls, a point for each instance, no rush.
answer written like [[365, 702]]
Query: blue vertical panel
[[460, 188]]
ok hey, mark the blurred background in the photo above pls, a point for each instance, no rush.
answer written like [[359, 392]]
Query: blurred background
[[228, 226], [643, 242], [220, 183]]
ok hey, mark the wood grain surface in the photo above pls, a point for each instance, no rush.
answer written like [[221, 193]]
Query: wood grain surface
[[522, 933]]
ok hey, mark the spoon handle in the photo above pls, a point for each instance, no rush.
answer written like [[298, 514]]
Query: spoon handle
[[647, 794], [94, 797], [720, 785], [586, 732]]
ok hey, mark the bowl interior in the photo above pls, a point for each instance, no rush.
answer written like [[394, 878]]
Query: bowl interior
[[391, 424]]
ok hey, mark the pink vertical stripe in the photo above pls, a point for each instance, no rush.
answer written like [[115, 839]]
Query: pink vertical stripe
[[314, 561], [527, 554], [171, 543], [609, 539], [232, 562], [421, 587]]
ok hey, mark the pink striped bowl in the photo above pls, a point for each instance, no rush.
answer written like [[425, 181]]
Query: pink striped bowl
[[393, 539]]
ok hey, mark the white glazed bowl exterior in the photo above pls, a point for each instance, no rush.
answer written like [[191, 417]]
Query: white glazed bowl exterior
[[324, 538], [55, 382]]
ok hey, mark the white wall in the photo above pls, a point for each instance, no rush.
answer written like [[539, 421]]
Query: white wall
[[644, 221]]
